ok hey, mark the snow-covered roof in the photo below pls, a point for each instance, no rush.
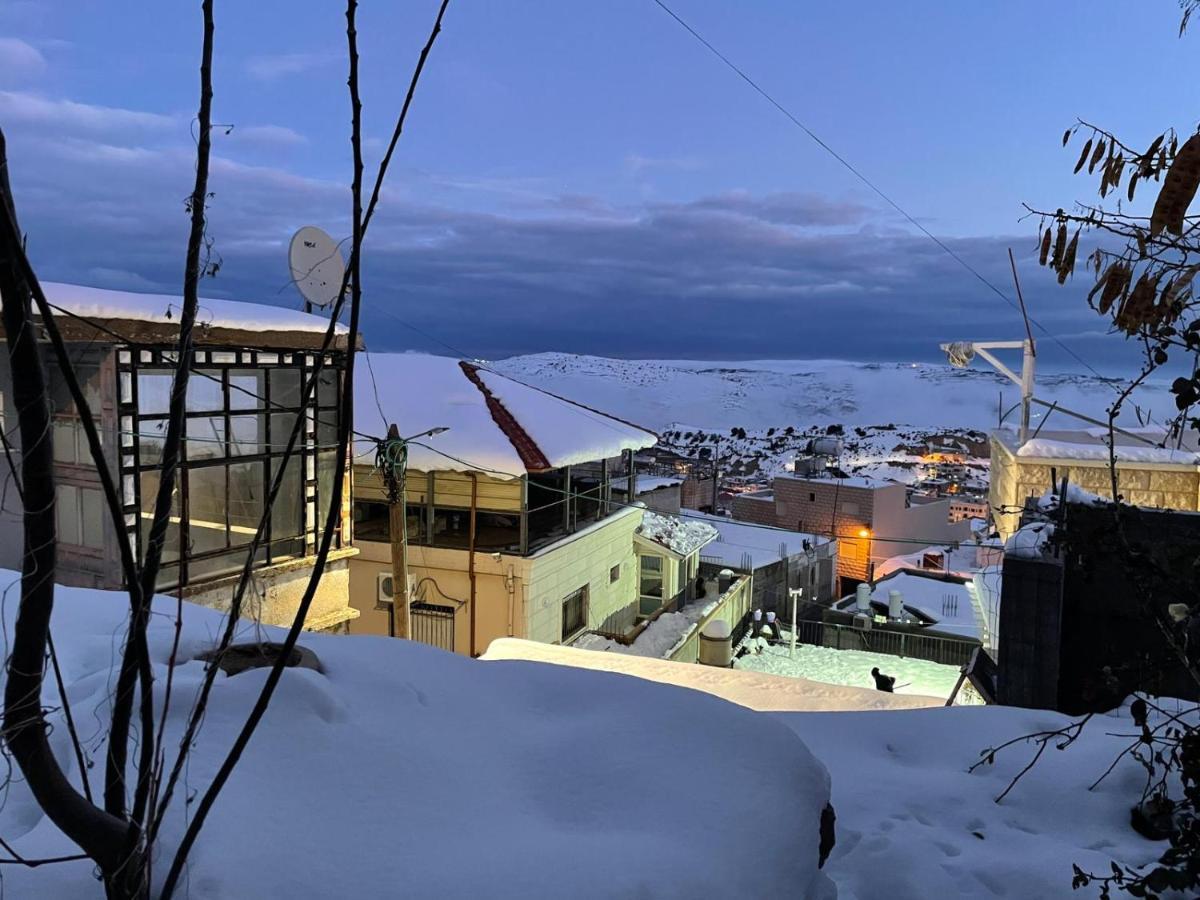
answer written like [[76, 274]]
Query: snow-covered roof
[[1030, 541], [948, 603], [738, 541], [101, 303], [1091, 445], [494, 424], [856, 481], [682, 537], [755, 690]]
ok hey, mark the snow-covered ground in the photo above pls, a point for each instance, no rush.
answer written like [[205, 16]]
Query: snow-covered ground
[[912, 822], [885, 410], [849, 667], [402, 770], [401, 765]]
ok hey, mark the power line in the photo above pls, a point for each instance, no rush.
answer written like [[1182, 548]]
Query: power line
[[870, 184]]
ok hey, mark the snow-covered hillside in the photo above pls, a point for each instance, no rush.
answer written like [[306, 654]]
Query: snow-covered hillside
[[804, 393], [763, 412]]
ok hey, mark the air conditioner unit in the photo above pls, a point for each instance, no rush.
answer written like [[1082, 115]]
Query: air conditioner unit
[[384, 590]]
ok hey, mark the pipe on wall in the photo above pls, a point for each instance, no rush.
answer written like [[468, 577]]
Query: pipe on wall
[[471, 554]]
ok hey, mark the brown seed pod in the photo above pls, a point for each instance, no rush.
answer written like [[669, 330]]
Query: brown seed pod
[[1132, 184], [1083, 155], [1067, 267], [1178, 190], [1044, 250], [1097, 155], [1138, 307], [1060, 246], [1116, 281]]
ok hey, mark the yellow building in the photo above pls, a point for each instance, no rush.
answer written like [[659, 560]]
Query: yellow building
[[511, 526], [1147, 475]]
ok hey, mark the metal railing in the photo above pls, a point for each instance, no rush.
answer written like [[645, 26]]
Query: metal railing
[[432, 624], [893, 642]]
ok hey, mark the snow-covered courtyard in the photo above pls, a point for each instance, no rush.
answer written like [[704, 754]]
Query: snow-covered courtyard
[[849, 667]]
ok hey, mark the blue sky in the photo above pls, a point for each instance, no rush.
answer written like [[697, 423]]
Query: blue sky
[[586, 177]]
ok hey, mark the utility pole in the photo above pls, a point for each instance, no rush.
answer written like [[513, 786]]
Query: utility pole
[[391, 459], [393, 477]]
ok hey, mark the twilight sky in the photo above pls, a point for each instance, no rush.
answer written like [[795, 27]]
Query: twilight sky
[[586, 177]]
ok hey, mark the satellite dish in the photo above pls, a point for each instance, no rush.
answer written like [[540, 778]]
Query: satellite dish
[[317, 266]]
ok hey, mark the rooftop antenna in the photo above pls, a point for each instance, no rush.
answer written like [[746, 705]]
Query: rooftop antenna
[[317, 267]]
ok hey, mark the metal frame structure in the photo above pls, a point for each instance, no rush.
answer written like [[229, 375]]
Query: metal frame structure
[[211, 441]]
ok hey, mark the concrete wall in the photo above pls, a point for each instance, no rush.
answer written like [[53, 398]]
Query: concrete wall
[[824, 505], [919, 525], [514, 596], [587, 559], [735, 603], [275, 593]]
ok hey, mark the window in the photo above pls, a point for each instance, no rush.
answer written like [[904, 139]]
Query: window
[[493, 530], [614, 574], [237, 426], [371, 521], [812, 497], [80, 512], [650, 584], [574, 613]]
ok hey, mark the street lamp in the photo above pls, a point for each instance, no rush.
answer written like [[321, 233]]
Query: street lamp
[[391, 459]]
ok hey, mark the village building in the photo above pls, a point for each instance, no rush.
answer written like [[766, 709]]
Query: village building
[[871, 519], [249, 365], [1148, 476], [778, 558], [511, 526]]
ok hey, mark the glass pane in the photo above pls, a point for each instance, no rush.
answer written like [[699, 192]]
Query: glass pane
[[67, 511], [327, 432], [246, 436], [281, 430], [206, 509], [247, 388], [327, 471], [206, 438], [327, 387], [92, 503], [154, 393], [246, 494], [223, 564], [152, 435], [651, 563], [64, 441], [204, 391], [149, 494], [287, 513], [371, 521], [285, 387]]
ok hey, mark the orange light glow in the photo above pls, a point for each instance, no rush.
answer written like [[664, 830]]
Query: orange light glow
[[864, 532]]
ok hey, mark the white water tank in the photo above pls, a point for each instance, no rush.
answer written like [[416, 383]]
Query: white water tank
[[826, 446], [862, 597], [716, 644], [895, 605]]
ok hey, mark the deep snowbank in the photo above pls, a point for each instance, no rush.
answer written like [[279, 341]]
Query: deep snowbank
[[406, 771]]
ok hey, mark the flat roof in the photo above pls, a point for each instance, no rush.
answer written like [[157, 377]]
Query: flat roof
[[91, 313], [1091, 444]]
